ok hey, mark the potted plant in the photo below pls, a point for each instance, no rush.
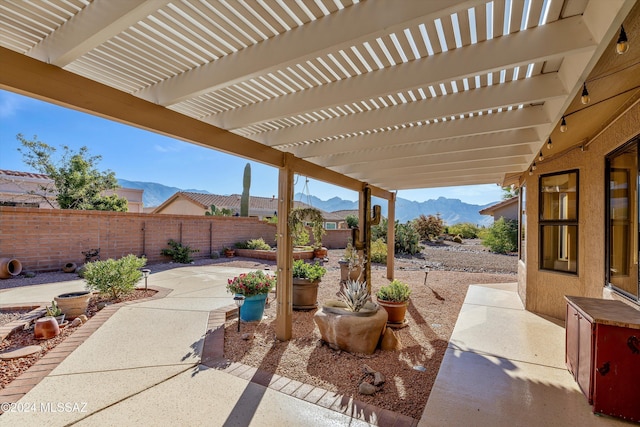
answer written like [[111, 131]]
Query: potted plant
[[306, 279], [228, 252], [394, 298], [350, 266], [254, 286], [54, 311]]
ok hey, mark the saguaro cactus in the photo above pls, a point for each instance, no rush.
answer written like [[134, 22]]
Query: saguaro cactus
[[246, 183]]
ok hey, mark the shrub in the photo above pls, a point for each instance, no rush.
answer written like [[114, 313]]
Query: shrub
[[179, 252], [429, 227], [308, 271], [352, 220], [502, 236], [258, 244], [114, 277], [407, 239], [379, 231], [396, 291], [378, 252], [466, 230], [241, 245]]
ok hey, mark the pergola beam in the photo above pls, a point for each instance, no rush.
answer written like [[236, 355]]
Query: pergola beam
[[558, 39], [527, 91], [93, 25], [25, 75], [529, 117], [325, 35]]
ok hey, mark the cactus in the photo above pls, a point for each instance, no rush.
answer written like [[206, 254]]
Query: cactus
[[246, 183]]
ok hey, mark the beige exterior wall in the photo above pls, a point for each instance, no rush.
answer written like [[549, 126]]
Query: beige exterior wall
[[543, 291], [507, 212], [181, 206]]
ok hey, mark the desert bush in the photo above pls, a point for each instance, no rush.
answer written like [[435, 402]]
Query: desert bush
[[179, 252], [114, 277], [502, 236], [258, 244], [378, 252], [379, 232], [466, 230], [407, 239], [429, 227]]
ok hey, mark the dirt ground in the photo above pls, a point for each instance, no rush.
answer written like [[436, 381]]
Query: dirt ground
[[439, 278]]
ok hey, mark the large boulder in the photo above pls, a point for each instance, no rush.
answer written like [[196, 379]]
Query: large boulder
[[348, 332]]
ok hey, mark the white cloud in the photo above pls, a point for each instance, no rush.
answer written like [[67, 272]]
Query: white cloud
[[170, 148]]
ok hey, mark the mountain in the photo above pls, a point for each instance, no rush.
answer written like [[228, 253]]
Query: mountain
[[154, 194], [452, 211]]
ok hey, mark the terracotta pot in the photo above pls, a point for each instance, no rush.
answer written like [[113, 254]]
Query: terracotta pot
[[305, 294], [45, 328], [320, 253], [69, 267], [345, 274], [73, 304], [9, 268], [395, 310], [229, 254]]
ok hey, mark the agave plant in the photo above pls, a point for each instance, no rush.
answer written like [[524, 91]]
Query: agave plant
[[354, 294]]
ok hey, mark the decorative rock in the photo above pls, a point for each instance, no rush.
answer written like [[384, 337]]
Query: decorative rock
[[367, 369], [83, 317], [390, 342], [366, 388], [350, 333], [20, 352], [246, 336], [76, 322], [102, 305], [378, 379]]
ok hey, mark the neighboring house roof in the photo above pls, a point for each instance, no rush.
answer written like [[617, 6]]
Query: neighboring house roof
[[258, 206], [489, 210]]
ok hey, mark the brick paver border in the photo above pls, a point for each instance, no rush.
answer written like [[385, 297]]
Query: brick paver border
[[32, 376], [213, 357]]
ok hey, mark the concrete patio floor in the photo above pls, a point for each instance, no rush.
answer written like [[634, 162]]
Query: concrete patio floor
[[147, 365]]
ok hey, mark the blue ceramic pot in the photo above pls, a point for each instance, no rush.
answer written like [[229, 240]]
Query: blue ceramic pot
[[253, 308]]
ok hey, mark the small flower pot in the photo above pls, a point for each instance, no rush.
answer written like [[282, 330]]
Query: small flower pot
[[45, 328], [229, 253], [69, 267], [395, 310]]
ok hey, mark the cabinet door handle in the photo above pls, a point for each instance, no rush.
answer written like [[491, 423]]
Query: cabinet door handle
[[604, 369], [633, 343]]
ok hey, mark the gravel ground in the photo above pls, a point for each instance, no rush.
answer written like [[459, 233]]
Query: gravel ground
[[439, 278]]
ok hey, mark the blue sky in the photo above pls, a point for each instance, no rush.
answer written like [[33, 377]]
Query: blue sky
[[138, 155]]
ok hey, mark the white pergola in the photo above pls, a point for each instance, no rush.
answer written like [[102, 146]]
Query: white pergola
[[373, 95]]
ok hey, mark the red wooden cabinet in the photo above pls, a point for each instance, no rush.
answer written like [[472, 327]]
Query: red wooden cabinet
[[603, 354]]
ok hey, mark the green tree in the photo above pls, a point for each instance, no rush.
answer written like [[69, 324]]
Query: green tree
[[78, 183], [509, 192], [352, 220], [502, 236]]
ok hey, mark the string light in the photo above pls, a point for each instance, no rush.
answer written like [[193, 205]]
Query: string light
[[585, 94], [623, 43], [531, 171], [549, 144], [540, 157], [533, 166], [563, 125]]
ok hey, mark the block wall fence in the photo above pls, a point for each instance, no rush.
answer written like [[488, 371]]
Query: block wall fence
[[46, 239]]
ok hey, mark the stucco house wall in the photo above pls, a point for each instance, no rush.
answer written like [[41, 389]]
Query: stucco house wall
[[543, 291]]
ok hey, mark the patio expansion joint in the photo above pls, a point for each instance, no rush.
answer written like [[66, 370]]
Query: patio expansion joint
[[39, 370], [505, 358], [213, 357]]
